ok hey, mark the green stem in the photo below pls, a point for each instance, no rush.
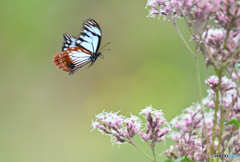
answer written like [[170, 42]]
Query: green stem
[[153, 150], [142, 151], [221, 111], [221, 126], [188, 25], [216, 108], [175, 25], [199, 79]]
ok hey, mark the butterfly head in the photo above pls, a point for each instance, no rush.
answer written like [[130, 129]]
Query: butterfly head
[[94, 57], [100, 54]]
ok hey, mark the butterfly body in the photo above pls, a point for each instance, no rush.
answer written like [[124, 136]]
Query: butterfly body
[[77, 52]]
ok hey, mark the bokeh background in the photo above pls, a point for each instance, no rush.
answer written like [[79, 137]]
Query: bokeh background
[[45, 114]]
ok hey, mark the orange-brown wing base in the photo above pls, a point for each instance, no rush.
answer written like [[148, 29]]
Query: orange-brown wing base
[[61, 60]]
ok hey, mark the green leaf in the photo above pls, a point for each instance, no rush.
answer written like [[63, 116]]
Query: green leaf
[[235, 122], [237, 66], [184, 159]]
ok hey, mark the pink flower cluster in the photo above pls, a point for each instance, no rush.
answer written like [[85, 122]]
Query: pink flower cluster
[[220, 42], [196, 10], [186, 124], [196, 152], [228, 13], [123, 129], [229, 110], [120, 128], [213, 125], [193, 135], [194, 128], [221, 45], [155, 122], [226, 84], [228, 91]]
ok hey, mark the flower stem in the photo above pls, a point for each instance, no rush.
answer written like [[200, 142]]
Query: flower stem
[[175, 25], [142, 151], [221, 126], [199, 79], [153, 150], [216, 108], [154, 154]]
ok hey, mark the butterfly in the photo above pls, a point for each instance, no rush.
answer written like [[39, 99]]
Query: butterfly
[[77, 52]]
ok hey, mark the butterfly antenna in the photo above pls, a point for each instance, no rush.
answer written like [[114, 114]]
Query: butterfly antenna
[[106, 50], [104, 46]]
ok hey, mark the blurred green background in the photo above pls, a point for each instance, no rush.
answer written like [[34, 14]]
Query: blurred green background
[[45, 114]]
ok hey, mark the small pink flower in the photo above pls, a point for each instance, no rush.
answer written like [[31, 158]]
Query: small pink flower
[[226, 84], [153, 4]]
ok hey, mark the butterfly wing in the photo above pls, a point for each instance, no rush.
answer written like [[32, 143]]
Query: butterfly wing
[[90, 36], [68, 41], [72, 59]]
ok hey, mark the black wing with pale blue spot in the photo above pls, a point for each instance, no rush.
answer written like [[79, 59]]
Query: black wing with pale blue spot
[[68, 41]]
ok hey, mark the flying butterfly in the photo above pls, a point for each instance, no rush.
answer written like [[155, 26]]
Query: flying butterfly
[[77, 52]]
